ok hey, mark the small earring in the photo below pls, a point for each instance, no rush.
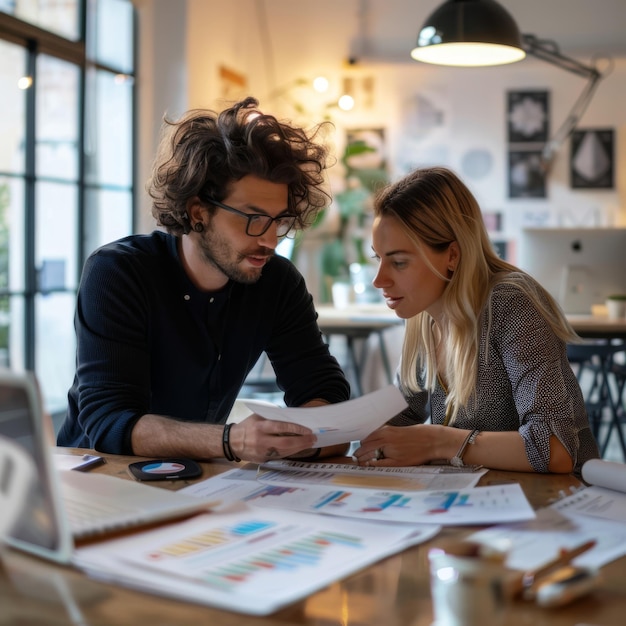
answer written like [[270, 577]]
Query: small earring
[[198, 227]]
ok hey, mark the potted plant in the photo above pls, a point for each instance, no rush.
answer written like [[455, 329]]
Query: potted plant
[[616, 305]]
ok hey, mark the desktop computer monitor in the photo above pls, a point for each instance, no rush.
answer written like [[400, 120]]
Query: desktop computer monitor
[[580, 267]]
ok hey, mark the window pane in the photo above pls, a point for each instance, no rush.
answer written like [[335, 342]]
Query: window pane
[[58, 16], [114, 36], [12, 107], [109, 130], [108, 216], [5, 327], [57, 118], [12, 234], [55, 347], [12, 319], [55, 254]]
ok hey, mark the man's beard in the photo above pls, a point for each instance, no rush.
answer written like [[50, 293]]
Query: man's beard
[[220, 254]]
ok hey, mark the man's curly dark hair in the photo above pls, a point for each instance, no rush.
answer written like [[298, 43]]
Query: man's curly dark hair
[[204, 152]]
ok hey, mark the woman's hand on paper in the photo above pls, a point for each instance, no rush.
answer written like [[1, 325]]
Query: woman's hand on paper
[[400, 446]]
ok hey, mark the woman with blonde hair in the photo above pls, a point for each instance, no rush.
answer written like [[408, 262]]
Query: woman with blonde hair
[[484, 353]]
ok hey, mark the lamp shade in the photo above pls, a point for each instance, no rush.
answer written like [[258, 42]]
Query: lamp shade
[[469, 33]]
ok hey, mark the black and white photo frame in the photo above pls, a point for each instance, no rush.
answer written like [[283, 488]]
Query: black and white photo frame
[[592, 159], [528, 116], [528, 129], [527, 176]]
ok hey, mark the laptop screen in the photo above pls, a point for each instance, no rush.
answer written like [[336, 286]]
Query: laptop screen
[[21, 421]]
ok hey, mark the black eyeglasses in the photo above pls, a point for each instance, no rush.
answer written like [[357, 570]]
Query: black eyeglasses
[[258, 223]]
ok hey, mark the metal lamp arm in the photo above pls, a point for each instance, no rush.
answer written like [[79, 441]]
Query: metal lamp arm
[[549, 51]]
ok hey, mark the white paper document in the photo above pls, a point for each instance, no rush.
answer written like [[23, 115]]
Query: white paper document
[[596, 502], [417, 478], [591, 513], [478, 505], [607, 474], [532, 544], [239, 484], [339, 423], [248, 560], [606, 498]]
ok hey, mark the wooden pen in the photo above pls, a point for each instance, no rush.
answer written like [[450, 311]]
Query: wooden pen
[[517, 584]]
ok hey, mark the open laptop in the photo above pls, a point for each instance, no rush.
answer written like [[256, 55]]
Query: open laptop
[[45, 526]]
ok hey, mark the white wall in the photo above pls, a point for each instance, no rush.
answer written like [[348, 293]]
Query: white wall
[[162, 86], [273, 43]]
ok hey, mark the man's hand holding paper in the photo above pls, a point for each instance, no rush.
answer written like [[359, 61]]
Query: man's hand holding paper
[[339, 423]]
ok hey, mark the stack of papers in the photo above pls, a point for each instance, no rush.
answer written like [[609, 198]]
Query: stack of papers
[[594, 513], [606, 497], [346, 496], [281, 531], [247, 560]]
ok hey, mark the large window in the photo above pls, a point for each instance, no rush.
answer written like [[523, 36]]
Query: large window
[[66, 169]]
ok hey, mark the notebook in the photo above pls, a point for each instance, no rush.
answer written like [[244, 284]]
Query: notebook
[[48, 525]]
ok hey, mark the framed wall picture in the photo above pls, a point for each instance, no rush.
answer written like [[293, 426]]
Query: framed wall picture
[[528, 116], [527, 177], [592, 159]]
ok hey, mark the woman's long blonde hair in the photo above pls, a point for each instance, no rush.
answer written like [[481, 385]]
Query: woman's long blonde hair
[[436, 208]]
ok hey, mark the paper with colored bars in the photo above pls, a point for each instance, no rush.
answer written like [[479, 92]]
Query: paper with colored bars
[[477, 505], [342, 422], [250, 560]]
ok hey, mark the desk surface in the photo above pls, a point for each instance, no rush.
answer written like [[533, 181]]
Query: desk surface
[[393, 592], [377, 316], [598, 326], [354, 317]]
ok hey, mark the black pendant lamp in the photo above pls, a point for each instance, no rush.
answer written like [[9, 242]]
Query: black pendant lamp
[[469, 33]]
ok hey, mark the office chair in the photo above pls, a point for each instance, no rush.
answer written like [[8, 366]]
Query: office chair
[[603, 396]]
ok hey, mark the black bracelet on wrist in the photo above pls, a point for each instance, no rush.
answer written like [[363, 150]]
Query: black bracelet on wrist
[[228, 451]]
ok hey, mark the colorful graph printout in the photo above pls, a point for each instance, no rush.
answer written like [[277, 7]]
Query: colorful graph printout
[[251, 560], [477, 505], [480, 505]]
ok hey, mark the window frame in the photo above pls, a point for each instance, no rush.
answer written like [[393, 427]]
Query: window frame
[[37, 41]]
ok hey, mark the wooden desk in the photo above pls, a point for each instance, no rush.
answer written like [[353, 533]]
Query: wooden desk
[[392, 592], [357, 323], [379, 316], [598, 326]]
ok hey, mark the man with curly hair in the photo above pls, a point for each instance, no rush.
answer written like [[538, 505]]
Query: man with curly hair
[[169, 324]]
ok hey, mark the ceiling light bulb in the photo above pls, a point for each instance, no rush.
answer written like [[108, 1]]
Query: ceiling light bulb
[[468, 54], [320, 84], [346, 103]]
